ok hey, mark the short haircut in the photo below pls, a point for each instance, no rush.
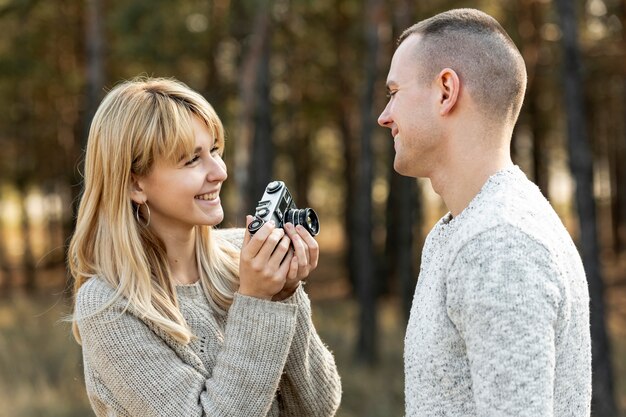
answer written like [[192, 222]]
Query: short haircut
[[479, 50]]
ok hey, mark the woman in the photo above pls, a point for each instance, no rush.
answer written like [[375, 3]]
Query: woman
[[175, 317]]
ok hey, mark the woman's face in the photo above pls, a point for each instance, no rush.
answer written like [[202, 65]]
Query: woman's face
[[183, 195]]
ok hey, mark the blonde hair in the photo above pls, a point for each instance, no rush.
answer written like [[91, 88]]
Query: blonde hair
[[475, 45], [138, 122]]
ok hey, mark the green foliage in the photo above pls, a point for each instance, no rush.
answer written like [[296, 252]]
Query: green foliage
[[160, 38], [39, 85]]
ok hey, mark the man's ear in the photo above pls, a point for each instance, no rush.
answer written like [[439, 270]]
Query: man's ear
[[136, 191], [449, 87]]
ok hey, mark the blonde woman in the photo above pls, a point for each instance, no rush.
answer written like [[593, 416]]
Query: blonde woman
[[175, 317]]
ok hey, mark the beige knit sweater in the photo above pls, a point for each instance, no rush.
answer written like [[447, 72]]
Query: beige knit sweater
[[263, 359]]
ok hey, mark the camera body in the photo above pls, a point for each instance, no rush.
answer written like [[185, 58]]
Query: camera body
[[278, 205]]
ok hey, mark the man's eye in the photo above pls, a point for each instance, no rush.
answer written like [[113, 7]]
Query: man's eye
[[391, 93]]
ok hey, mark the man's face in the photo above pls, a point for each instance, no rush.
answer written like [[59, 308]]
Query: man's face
[[411, 113]]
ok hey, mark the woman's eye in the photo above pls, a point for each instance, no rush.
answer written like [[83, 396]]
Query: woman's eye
[[215, 151], [192, 160], [391, 93]]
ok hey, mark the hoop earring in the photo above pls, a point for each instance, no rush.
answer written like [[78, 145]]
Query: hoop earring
[[137, 214]]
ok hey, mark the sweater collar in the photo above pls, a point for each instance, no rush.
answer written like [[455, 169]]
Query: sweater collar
[[448, 223]]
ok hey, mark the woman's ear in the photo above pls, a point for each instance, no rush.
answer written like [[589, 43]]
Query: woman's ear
[[449, 87], [136, 191]]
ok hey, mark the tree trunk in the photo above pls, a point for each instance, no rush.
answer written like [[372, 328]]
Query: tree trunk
[[95, 62], [262, 146], [345, 118], [28, 260], [248, 100], [620, 169], [529, 16], [403, 221], [94, 69], [216, 90], [6, 279], [620, 186], [603, 402], [364, 251], [615, 155], [94, 91], [403, 204]]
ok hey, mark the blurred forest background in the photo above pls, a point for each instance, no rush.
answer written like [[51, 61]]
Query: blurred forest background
[[299, 84]]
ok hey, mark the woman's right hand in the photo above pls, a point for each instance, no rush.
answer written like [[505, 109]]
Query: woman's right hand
[[265, 261]]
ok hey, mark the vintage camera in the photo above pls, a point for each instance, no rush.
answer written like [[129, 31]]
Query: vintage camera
[[277, 204]]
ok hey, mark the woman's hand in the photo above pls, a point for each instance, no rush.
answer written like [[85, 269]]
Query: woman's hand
[[265, 262], [306, 256]]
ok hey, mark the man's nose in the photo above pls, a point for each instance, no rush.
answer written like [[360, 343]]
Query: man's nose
[[384, 119]]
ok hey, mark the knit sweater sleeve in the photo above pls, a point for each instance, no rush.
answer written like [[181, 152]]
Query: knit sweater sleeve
[[310, 385], [503, 296], [133, 372]]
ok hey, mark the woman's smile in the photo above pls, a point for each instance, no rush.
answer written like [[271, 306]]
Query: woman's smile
[[207, 196]]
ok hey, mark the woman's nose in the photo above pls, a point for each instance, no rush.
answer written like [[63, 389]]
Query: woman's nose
[[216, 169]]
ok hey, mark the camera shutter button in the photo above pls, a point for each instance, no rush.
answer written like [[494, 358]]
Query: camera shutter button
[[262, 212], [273, 186]]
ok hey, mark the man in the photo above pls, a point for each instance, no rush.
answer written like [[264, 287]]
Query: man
[[500, 318]]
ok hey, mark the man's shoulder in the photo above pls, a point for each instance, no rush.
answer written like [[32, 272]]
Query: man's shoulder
[[516, 205], [515, 216]]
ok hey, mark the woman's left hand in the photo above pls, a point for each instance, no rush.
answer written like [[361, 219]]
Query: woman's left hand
[[306, 255]]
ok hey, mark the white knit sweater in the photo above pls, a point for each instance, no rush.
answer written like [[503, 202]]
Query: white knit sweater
[[500, 319], [263, 359]]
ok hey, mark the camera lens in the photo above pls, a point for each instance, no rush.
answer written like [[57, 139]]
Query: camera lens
[[255, 225], [306, 217]]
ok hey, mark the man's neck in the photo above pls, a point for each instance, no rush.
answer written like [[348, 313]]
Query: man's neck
[[474, 149], [459, 183]]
